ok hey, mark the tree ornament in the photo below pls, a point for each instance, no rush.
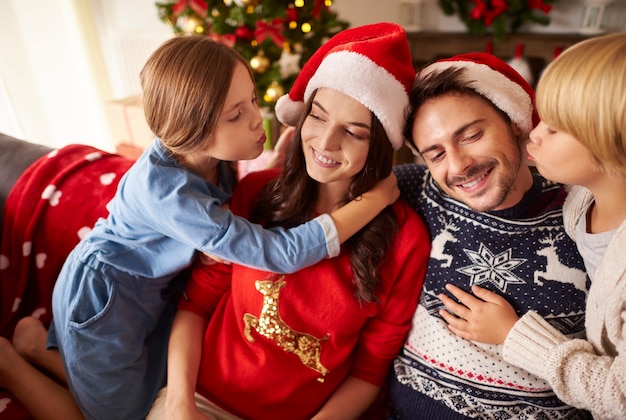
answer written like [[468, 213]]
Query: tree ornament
[[272, 30], [299, 27], [191, 24], [289, 64], [198, 7], [274, 91], [292, 13], [306, 27], [260, 63], [245, 33], [239, 3]]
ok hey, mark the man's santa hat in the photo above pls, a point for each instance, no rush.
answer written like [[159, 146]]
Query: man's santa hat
[[370, 63], [495, 80]]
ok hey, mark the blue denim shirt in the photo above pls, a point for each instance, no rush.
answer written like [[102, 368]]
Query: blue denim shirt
[[163, 212], [111, 302]]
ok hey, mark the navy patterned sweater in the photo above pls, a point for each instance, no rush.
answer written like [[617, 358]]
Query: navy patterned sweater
[[521, 253]]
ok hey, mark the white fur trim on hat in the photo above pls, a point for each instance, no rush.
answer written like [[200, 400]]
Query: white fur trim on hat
[[504, 93], [368, 83], [371, 63], [361, 79]]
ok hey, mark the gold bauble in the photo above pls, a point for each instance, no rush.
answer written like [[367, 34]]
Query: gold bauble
[[260, 63], [274, 91], [191, 24]]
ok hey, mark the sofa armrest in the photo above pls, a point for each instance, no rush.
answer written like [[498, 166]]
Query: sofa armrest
[[15, 156]]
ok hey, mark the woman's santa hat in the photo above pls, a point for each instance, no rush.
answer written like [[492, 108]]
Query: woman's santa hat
[[371, 64], [495, 80]]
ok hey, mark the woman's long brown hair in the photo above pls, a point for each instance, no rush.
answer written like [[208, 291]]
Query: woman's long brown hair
[[290, 199]]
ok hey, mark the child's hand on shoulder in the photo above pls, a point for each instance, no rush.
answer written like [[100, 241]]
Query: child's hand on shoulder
[[483, 316]]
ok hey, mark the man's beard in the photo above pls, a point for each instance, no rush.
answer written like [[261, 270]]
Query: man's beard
[[493, 197]]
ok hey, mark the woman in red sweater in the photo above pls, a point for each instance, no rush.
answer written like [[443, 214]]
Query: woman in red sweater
[[317, 343]]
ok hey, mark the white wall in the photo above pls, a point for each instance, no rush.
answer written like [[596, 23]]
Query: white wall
[[56, 75], [59, 65], [52, 68], [125, 26]]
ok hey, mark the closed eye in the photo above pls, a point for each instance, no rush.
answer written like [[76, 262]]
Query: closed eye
[[236, 117], [436, 157], [473, 136], [357, 136], [315, 116]]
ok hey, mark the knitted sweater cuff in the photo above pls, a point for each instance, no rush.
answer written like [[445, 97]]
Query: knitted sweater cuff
[[530, 343]]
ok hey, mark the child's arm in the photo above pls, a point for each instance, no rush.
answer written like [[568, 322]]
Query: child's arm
[[300, 246], [349, 401], [197, 219], [485, 316], [183, 362], [352, 217]]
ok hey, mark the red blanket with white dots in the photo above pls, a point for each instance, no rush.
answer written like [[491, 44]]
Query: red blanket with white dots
[[51, 207]]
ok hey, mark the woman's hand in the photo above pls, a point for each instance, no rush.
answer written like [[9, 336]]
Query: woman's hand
[[349, 401], [483, 316], [181, 405]]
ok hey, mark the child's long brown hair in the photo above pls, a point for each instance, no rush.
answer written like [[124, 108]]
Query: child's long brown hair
[[185, 83]]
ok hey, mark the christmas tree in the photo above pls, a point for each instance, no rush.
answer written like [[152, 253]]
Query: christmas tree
[[276, 36]]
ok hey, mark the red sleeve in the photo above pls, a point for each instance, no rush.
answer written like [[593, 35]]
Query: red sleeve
[[247, 190], [205, 288], [402, 276]]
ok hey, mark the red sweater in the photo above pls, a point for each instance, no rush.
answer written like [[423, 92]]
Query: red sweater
[[280, 347]]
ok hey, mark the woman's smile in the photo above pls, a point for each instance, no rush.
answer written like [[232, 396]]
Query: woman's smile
[[324, 160]]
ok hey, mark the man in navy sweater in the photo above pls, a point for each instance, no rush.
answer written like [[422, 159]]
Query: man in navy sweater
[[493, 223]]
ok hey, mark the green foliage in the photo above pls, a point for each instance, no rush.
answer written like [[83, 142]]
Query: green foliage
[[243, 24], [498, 17]]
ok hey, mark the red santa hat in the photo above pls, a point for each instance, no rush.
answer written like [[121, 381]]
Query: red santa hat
[[495, 80], [370, 63]]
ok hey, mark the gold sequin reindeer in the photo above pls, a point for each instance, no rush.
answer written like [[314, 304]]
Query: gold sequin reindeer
[[269, 324]]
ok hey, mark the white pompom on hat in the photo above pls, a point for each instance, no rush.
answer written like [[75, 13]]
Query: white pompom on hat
[[370, 63], [495, 80]]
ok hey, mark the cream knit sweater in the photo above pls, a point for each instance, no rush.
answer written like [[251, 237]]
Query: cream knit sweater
[[586, 374]]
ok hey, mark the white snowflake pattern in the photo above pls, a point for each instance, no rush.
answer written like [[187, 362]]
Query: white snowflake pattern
[[490, 268]]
